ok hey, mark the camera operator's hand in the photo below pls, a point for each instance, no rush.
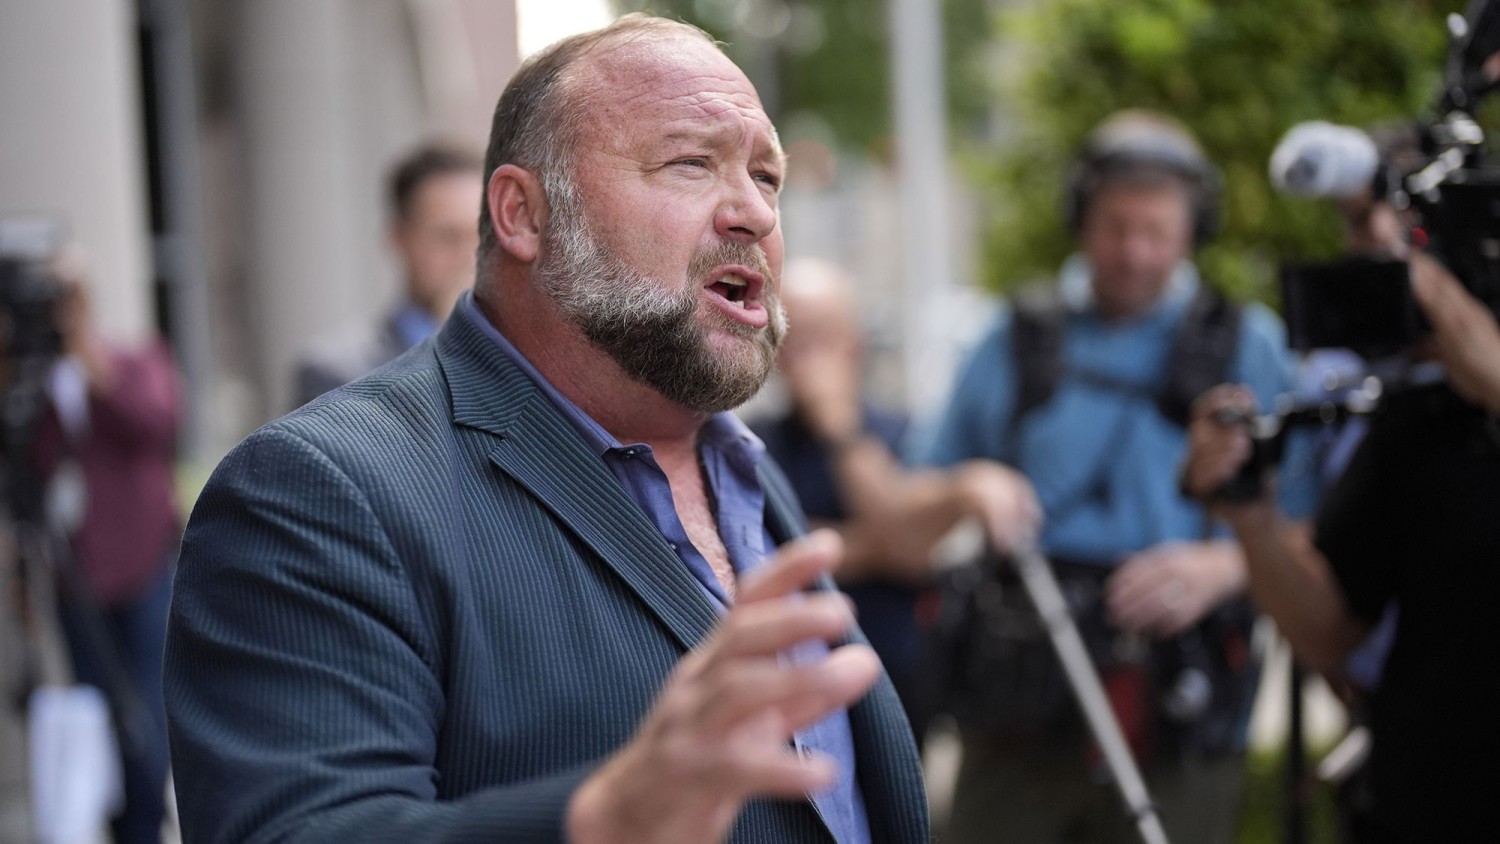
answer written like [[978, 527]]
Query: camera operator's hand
[[718, 732], [1372, 227], [1218, 444], [1467, 338], [1169, 587], [75, 323]]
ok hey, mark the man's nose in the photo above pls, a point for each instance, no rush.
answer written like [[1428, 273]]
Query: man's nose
[[1137, 249], [747, 214]]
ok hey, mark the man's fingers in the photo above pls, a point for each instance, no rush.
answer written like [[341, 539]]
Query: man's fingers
[[1215, 462], [1219, 443], [783, 773], [1124, 590], [1140, 611], [1211, 400], [1135, 583], [1004, 501], [798, 695], [764, 628], [1164, 609], [795, 567]]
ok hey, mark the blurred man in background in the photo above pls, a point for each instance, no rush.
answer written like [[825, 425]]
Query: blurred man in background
[[840, 452], [1084, 387], [432, 193]]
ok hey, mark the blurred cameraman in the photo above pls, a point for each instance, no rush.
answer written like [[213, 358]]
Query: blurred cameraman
[[1412, 520], [1085, 388], [107, 446]]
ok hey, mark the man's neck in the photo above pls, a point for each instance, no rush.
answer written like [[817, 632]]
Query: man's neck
[[591, 379]]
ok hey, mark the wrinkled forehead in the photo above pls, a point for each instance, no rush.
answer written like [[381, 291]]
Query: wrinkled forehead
[[676, 84]]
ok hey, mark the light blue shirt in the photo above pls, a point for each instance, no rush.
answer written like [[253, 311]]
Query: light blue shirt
[[413, 324], [730, 454], [1105, 463]]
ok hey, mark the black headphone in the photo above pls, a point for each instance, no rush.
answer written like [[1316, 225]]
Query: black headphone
[[1135, 139]]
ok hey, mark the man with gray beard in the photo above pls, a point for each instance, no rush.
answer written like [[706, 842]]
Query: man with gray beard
[[649, 330], [532, 581]]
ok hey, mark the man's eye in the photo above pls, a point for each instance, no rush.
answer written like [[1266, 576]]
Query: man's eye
[[692, 162], [770, 179]]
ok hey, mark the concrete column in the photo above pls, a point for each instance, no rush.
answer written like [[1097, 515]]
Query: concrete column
[[70, 140], [466, 50], [328, 94], [300, 244]]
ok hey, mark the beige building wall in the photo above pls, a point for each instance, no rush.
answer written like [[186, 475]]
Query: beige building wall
[[71, 142]]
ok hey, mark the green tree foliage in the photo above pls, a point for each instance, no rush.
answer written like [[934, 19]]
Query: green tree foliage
[[1239, 73], [831, 58]]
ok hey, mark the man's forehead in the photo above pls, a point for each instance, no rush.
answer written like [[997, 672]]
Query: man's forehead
[[679, 81]]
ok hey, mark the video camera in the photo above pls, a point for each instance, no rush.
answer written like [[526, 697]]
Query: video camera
[[1365, 304], [30, 342], [1452, 193]]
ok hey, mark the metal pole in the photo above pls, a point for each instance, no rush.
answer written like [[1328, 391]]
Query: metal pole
[[177, 226], [1041, 585], [921, 126], [1296, 759]]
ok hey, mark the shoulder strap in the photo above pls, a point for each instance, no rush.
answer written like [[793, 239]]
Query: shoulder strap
[[1203, 350], [1038, 323]]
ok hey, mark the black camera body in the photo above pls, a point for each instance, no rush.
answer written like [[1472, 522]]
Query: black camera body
[[1356, 303], [1268, 431], [31, 341], [29, 303], [1453, 195]]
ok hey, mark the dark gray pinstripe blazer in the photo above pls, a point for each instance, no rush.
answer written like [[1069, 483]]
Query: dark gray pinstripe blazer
[[419, 609]]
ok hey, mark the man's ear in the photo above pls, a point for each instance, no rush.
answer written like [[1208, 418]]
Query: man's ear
[[518, 210]]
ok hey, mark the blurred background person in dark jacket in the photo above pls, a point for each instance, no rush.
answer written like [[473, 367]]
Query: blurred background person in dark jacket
[[433, 194]]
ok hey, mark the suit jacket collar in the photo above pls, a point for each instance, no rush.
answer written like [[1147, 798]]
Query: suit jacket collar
[[539, 448]]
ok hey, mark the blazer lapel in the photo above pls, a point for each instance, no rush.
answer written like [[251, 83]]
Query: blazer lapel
[[549, 458], [540, 449], [895, 799]]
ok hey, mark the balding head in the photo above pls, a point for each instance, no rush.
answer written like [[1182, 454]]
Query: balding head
[[646, 229], [537, 119], [821, 306], [819, 294]]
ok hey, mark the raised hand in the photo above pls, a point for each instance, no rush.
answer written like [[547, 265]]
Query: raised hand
[[719, 733]]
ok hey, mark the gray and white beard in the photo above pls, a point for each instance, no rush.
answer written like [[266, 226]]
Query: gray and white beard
[[648, 325]]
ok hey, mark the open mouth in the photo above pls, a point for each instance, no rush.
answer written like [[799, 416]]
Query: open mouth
[[736, 291], [732, 288]]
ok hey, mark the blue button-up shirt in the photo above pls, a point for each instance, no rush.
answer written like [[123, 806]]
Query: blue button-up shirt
[[729, 453]]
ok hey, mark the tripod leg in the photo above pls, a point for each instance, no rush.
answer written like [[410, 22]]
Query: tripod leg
[[1041, 585]]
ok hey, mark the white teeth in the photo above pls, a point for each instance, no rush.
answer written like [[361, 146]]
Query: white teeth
[[733, 280]]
